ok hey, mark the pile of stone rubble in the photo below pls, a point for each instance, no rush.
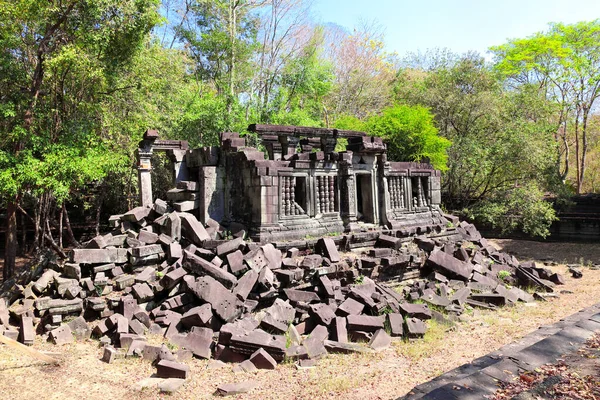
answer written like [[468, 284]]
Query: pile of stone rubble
[[213, 294]]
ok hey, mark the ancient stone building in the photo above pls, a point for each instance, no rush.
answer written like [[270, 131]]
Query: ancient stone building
[[304, 188]]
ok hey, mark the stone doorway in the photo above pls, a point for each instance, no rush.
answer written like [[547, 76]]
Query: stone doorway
[[364, 198]]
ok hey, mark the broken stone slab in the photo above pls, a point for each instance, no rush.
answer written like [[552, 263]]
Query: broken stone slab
[[396, 322], [262, 360], [346, 348], [193, 229], [44, 281], [147, 237], [449, 265], [341, 330], [197, 316], [249, 342], [200, 266], [273, 256], [136, 214], [80, 328], [389, 241], [312, 261], [142, 292], [172, 226], [231, 389], [229, 246], [99, 256], [350, 307], [415, 328], [245, 285], [304, 296], [222, 301], [124, 281], [172, 369], [200, 342], [245, 366], [489, 298], [109, 354], [322, 313], [235, 261], [72, 271], [147, 275]]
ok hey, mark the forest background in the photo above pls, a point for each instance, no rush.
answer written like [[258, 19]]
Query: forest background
[[81, 80]]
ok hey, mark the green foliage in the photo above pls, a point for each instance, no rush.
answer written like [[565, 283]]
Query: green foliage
[[521, 208], [410, 135]]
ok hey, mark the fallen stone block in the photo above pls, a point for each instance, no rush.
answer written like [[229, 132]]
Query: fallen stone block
[[200, 266], [365, 323], [396, 322], [193, 229], [245, 285], [222, 301], [415, 328], [350, 307], [322, 313], [197, 316], [136, 214], [389, 241], [99, 256], [172, 369], [200, 342], [262, 360], [229, 246], [301, 296], [109, 354], [449, 265], [380, 340], [61, 335], [26, 333]]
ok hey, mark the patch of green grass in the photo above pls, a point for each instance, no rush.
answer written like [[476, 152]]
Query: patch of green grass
[[432, 342]]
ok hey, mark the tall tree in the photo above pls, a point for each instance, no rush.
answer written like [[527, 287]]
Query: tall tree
[[565, 63], [221, 36], [51, 54]]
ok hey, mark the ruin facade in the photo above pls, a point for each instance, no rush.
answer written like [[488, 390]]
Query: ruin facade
[[304, 188]]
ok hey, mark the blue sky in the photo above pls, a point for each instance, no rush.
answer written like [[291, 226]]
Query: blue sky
[[460, 25]]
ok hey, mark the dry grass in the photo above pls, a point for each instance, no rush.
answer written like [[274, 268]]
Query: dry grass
[[384, 375]]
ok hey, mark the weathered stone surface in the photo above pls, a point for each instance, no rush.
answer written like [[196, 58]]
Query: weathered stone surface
[[415, 328], [337, 347], [171, 385], [199, 341], [26, 332], [197, 316], [137, 214], [193, 229], [109, 354], [229, 246], [99, 256], [350, 307], [61, 335], [396, 324], [449, 265], [341, 330], [327, 248], [142, 292], [200, 266], [223, 302], [323, 313], [415, 310], [245, 285], [235, 261], [301, 296]]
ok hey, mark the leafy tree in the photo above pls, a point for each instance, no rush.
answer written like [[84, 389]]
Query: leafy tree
[[56, 60], [501, 138], [565, 63]]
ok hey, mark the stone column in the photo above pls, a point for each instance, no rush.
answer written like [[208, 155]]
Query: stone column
[[144, 167], [288, 145]]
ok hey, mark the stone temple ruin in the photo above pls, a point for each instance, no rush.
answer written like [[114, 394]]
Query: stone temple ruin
[[253, 261], [305, 188]]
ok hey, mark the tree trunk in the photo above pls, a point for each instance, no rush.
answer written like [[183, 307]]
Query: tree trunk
[[10, 249], [60, 228], [70, 234], [584, 147], [577, 153]]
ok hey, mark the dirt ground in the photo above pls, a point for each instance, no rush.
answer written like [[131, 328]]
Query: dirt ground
[[385, 375]]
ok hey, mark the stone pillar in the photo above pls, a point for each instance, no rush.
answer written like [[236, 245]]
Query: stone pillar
[[288, 145], [273, 146], [347, 190], [144, 168]]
